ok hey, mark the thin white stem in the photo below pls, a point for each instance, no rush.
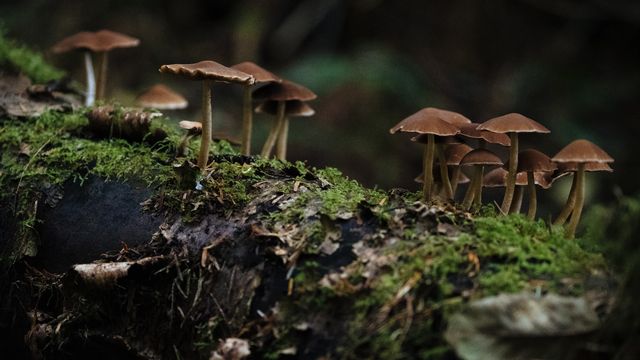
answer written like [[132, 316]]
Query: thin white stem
[[91, 80]]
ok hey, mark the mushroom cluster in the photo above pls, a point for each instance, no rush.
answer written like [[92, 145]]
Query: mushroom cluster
[[280, 98], [444, 133]]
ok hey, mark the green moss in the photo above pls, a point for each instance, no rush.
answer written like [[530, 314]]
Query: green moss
[[16, 57]]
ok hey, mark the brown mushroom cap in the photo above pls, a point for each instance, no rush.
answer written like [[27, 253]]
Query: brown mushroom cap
[[451, 117], [161, 97], [103, 40], [260, 74], [292, 108], [425, 121], [192, 127], [455, 152], [208, 70], [534, 160], [284, 91], [470, 130], [513, 123], [480, 157], [582, 151], [498, 178], [589, 167]]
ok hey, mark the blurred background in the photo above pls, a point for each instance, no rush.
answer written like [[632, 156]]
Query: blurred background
[[574, 66]]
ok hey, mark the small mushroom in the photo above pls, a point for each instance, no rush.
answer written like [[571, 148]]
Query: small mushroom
[[426, 122], [531, 162], [512, 124], [282, 93], [580, 152], [162, 98], [452, 118], [261, 76], [479, 158], [193, 128], [207, 72], [565, 169], [100, 43]]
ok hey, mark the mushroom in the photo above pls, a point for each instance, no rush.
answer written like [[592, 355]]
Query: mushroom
[[99, 42], [580, 152], [261, 76], [207, 72], [512, 124], [426, 122], [281, 93], [162, 98], [531, 162], [570, 168], [193, 128], [479, 158], [457, 120]]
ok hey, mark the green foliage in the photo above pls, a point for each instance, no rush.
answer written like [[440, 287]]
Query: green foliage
[[22, 59]]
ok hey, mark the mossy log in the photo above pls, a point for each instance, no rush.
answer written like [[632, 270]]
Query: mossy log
[[295, 261]]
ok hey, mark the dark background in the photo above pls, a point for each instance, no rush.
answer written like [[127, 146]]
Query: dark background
[[574, 66]]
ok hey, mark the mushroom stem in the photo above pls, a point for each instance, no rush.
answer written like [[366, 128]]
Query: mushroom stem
[[568, 206], [281, 145], [444, 173], [203, 157], [103, 65], [516, 204], [471, 189], [577, 210], [511, 176], [429, 150], [455, 179], [477, 198], [91, 80], [247, 121], [533, 200], [275, 130]]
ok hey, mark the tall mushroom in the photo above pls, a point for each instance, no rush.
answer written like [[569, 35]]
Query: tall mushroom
[[261, 76], [281, 93], [479, 159], [207, 72], [162, 98], [533, 161], [571, 168], [457, 120], [426, 122], [580, 152], [512, 124], [100, 43]]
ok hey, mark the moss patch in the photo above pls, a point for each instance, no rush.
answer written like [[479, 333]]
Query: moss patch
[[20, 58]]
